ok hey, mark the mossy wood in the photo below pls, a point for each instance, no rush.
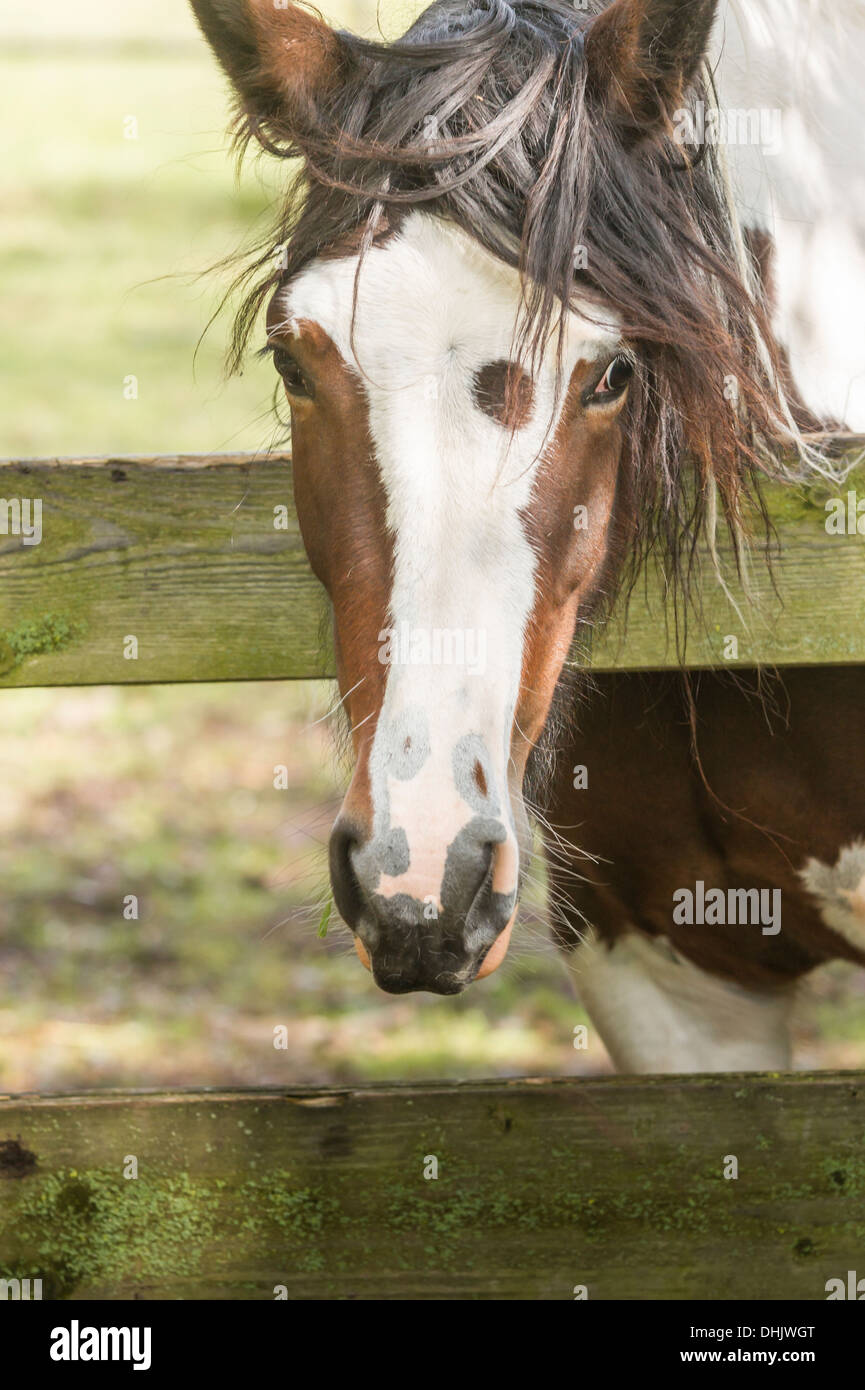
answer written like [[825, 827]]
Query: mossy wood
[[614, 1184], [184, 556]]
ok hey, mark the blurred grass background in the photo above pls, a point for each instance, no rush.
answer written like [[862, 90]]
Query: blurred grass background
[[167, 793]]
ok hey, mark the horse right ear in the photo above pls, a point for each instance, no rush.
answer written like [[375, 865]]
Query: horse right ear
[[643, 54], [281, 58]]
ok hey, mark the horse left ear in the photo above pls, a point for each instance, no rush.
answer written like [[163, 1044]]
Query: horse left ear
[[282, 58], [642, 55]]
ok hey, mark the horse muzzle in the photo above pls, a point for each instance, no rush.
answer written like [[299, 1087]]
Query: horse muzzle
[[439, 943]]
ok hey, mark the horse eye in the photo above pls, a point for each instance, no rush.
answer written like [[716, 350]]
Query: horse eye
[[296, 383], [614, 380]]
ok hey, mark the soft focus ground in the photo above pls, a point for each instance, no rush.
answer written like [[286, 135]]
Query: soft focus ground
[[167, 794]]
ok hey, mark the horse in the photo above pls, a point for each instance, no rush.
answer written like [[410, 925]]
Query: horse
[[527, 338]]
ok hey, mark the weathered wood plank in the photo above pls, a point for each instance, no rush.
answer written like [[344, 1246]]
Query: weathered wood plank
[[183, 555], [616, 1184], [808, 609]]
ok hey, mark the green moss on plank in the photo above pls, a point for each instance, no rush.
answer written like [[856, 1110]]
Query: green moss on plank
[[96, 1228], [52, 632], [846, 1174], [90, 1227]]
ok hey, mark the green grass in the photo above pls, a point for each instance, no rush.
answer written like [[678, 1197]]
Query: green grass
[[106, 241], [167, 793], [102, 256]]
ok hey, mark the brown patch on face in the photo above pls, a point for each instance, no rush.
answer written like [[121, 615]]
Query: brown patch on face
[[504, 391], [341, 506], [580, 468]]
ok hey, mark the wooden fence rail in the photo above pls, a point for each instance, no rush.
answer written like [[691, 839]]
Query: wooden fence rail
[[183, 554], [614, 1184]]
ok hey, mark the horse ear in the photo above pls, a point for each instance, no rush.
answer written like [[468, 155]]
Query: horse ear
[[281, 57], [642, 54]]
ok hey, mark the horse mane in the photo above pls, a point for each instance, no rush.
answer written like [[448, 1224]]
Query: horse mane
[[485, 114]]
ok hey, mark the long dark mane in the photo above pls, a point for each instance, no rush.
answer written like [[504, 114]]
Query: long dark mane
[[485, 113]]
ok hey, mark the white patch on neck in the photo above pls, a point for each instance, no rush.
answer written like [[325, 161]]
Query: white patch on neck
[[658, 1012], [433, 307], [840, 892]]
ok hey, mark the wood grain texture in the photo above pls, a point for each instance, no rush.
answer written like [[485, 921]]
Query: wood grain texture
[[183, 555], [612, 1183], [805, 607]]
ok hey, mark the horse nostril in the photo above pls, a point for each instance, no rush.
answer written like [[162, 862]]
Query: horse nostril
[[470, 881], [480, 777], [487, 853], [347, 892]]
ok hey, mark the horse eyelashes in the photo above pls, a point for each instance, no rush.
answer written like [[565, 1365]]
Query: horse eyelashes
[[296, 382], [613, 382]]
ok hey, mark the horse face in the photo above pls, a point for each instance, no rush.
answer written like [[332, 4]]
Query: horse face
[[455, 506], [453, 501]]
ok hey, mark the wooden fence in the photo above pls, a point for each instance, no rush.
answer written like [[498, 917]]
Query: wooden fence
[[184, 555], [527, 1189], [615, 1186]]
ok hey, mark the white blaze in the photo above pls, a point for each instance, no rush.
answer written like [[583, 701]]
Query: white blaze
[[433, 308]]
